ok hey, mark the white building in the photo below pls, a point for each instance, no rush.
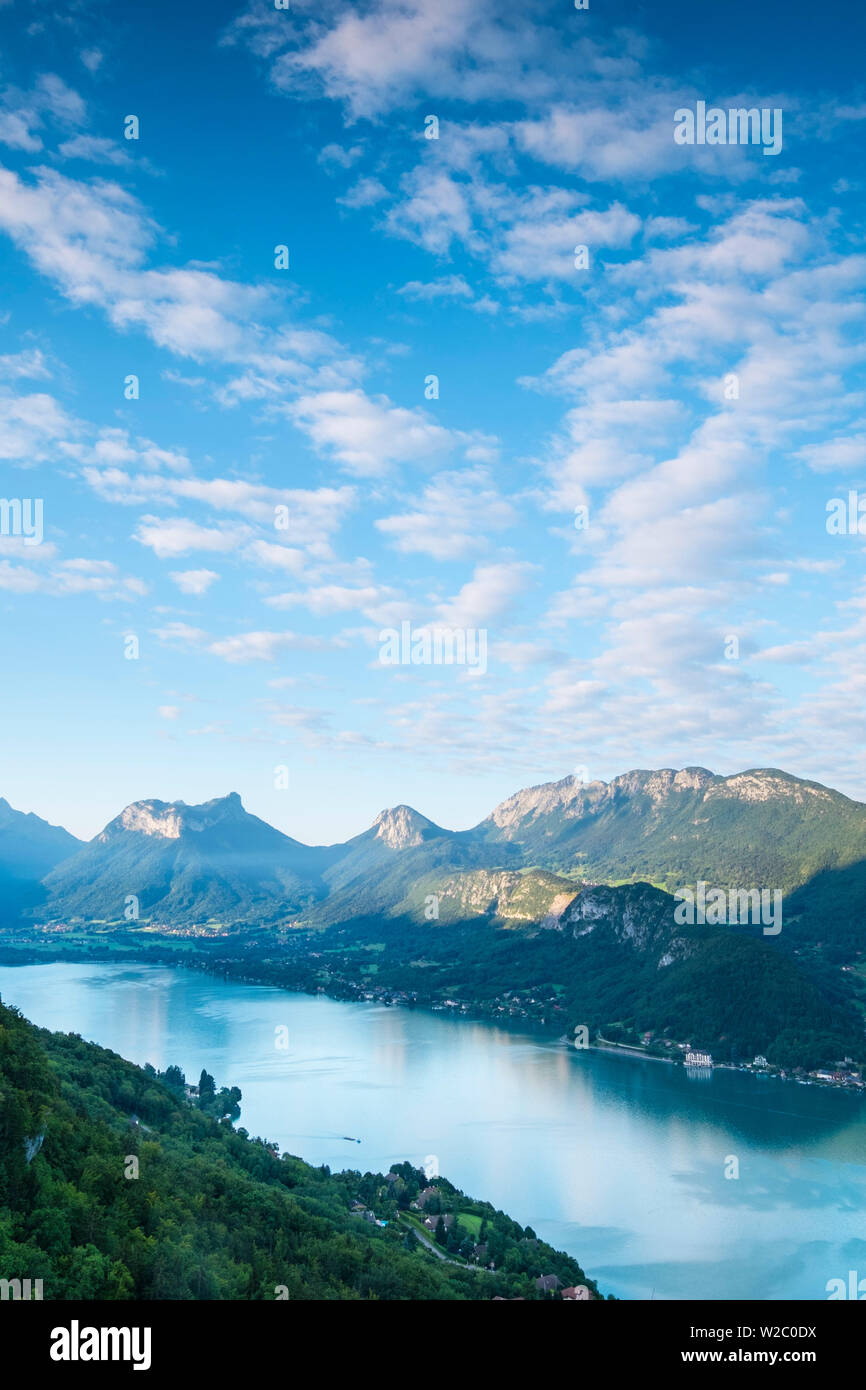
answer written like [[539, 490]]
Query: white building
[[699, 1059]]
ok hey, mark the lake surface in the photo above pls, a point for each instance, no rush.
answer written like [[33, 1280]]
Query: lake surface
[[619, 1161]]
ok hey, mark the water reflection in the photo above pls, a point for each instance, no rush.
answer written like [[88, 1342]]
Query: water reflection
[[620, 1161]]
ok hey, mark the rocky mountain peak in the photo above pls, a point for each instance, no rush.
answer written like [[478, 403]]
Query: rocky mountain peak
[[399, 827], [168, 820]]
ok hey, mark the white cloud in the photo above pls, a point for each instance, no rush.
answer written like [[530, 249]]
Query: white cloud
[[490, 593], [70, 578], [445, 287], [23, 114], [369, 435], [364, 194], [177, 634], [451, 519], [96, 149], [334, 156], [178, 536], [844, 454], [91, 240], [325, 599], [31, 425], [194, 581], [30, 364], [261, 646]]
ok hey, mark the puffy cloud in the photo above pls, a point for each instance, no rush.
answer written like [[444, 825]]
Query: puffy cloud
[[92, 241], [369, 435], [844, 454], [364, 194], [179, 536], [451, 519], [194, 581], [32, 425], [490, 593]]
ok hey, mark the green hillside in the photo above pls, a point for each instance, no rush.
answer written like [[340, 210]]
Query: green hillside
[[212, 1214]]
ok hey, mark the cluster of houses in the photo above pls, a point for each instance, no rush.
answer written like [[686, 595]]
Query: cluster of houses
[[480, 1252], [548, 1284], [551, 1284], [700, 1063]]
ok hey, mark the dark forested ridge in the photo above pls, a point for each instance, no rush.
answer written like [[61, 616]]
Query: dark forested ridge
[[114, 1185]]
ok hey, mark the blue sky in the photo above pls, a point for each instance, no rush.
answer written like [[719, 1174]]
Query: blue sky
[[608, 388]]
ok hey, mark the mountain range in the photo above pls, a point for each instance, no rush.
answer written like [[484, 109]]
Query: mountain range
[[218, 863], [562, 893]]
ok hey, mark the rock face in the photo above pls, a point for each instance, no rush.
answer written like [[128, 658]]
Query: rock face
[[401, 827], [638, 915], [170, 820], [509, 898], [575, 799]]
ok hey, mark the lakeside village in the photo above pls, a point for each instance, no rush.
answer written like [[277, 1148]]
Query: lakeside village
[[317, 972], [456, 1229]]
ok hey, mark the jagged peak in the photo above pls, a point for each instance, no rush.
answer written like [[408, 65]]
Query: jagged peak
[[168, 820], [401, 827], [573, 796]]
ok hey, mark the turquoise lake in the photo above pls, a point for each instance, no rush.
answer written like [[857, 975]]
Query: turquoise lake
[[619, 1161]]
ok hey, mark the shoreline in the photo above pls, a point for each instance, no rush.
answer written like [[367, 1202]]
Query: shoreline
[[624, 1050], [135, 953]]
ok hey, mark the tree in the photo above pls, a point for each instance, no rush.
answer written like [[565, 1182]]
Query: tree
[[174, 1078]]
